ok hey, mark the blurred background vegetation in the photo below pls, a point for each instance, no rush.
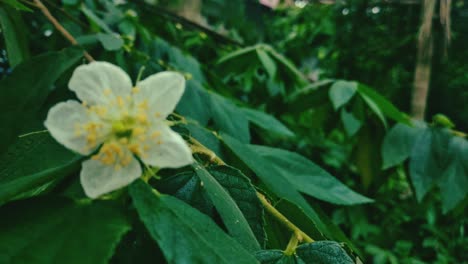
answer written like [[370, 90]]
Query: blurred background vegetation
[[373, 42]]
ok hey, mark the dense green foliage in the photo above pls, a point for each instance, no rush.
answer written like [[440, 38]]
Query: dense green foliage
[[293, 104]]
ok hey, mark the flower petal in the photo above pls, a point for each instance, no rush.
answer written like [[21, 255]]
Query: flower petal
[[160, 92], [98, 178], [165, 148], [98, 83], [66, 121]]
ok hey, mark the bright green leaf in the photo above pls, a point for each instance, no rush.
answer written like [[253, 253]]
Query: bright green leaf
[[350, 122], [17, 5], [184, 234], [267, 62], [399, 142], [309, 178], [56, 230], [381, 106], [110, 41], [267, 122], [341, 92]]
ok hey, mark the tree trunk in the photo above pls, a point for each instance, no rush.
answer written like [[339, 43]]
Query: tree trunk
[[422, 74]]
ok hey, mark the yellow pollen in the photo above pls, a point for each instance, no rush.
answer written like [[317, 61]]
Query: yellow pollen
[[142, 118], [155, 134], [146, 147], [157, 114], [159, 142], [107, 91], [136, 90], [84, 104], [120, 101], [138, 131], [134, 148], [143, 105], [117, 167], [126, 160]]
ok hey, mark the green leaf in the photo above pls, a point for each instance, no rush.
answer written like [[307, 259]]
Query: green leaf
[[267, 62], [323, 252], [195, 103], [307, 177], [17, 5], [110, 41], [275, 256], [319, 252], [56, 230], [399, 142], [381, 106], [232, 216], [267, 122], [273, 178], [454, 181], [350, 122], [188, 187], [428, 160], [15, 34], [341, 92], [237, 53], [228, 118], [184, 234], [269, 256], [32, 162], [21, 98], [98, 21]]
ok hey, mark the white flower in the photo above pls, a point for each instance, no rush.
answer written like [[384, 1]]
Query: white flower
[[127, 121]]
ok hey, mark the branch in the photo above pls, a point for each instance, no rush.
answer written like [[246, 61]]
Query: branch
[[59, 27], [300, 235]]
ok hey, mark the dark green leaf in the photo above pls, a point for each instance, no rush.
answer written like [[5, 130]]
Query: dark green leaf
[[350, 122], [15, 34], [228, 118], [55, 230], [276, 257], [195, 103], [399, 142], [323, 252], [309, 178], [184, 234], [341, 92], [32, 162], [454, 182], [17, 5], [232, 216], [428, 160], [21, 98], [267, 122]]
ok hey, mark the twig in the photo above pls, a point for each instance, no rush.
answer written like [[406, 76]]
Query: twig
[[60, 28], [300, 235]]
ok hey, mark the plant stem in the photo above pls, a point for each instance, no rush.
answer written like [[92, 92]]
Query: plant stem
[[291, 247], [60, 28], [301, 236]]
